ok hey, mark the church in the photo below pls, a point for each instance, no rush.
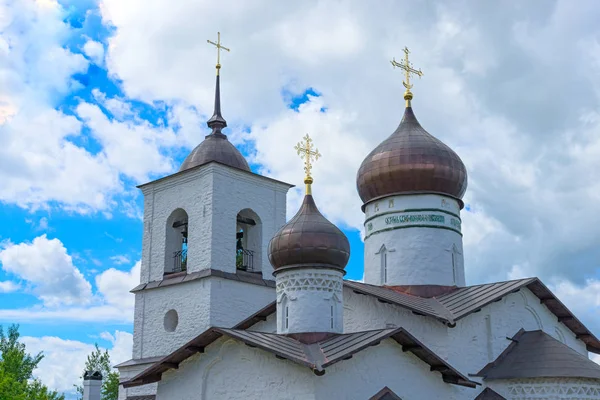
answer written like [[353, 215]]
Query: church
[[236, 303]]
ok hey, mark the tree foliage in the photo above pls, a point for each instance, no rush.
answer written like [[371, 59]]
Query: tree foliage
[[99, 360], [16, 370]]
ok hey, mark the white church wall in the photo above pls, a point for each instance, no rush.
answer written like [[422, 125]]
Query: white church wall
[[396, 241], [234, 191], [479, 338], [192, 192], [233, 371], [363, 313], [129, 372], [199, 304], [190, 300], [547, 388], [368, 371], [233, 301], [309, 300]]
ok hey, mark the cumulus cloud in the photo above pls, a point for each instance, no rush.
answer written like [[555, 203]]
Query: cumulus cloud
[[8, 286], [95, 51], [64, 360], [46, 266], [114, 285], [120, 259]]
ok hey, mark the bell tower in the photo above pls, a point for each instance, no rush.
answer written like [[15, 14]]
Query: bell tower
[[204, 250]]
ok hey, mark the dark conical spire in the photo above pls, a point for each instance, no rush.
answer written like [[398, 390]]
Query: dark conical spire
[[217, 122]]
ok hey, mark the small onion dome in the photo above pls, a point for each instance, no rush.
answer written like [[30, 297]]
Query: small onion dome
[[215, 146], [309, 240], [411, 161]]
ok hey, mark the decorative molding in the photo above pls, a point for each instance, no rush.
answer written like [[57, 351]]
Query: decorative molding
[[301, 280], [413, 210], [413, 226], [554, 388]]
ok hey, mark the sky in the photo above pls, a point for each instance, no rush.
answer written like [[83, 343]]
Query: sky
[[98, 96]]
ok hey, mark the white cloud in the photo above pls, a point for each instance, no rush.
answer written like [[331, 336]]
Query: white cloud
[[95, 51], [8, 286], [45, 264], [120, 259], [64, 360], [114, 285]]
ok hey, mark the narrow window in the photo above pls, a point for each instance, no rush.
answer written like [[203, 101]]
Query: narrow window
[[331, 317], [384, 272], [287, 314], [454, 266]]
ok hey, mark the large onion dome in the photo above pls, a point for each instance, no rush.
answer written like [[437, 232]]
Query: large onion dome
[[309, 240], [215, 146], [411, 161]]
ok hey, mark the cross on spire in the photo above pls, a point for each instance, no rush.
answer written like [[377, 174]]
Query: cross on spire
[[219, 46], [306, 150], [408, 69]]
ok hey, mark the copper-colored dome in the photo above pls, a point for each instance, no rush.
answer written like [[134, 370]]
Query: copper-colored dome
[[215, 147], [411, 161], [309, 239]]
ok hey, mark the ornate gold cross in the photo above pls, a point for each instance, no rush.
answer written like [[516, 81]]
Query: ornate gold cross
[[408, 69], [306, 150], [219, 46]]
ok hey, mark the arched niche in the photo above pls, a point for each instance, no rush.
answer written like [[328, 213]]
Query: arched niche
[[176, 242], [249, 241]]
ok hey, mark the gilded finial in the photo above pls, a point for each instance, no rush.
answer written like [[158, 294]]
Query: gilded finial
[[306, 150], [219, 46], [408, 69]]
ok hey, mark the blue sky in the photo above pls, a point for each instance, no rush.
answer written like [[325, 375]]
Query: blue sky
[[98, 98]]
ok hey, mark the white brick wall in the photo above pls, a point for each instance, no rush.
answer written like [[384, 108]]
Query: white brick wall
[[415, 255]]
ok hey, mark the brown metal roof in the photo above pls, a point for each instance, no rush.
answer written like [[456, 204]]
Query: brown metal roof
[[385, 394], [309, 239], [411, 161], [489, 394], [420, 305], [316, 356], [535, 354], [464, 301], [182, 277], [138, 361]]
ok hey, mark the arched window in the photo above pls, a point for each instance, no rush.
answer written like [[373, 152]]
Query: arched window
[[384, 265], [248, 246], [284, 314], [176, 242]]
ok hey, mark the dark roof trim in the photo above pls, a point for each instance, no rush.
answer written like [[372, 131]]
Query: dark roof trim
[[489, 394], [139, 361], [316, 356], [145, 397], [385, 394], [242, 276], [464, 301], [215, 162], [535, 354]]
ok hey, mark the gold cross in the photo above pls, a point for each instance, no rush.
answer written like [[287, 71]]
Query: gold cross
[[306, 151], [219, 46], [408, 69]]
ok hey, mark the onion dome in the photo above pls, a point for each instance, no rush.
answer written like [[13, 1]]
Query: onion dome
[[309, 239], [411, 161], [215, 146]]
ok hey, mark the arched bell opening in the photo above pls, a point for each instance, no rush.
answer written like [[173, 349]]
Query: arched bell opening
[[248, 245], [176, 242]]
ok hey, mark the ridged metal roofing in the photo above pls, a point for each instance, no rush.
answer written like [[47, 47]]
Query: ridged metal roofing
[[316, 356], [464, 301], [535, 354]]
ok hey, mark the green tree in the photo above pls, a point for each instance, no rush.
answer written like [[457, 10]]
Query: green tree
[[16, 370], [99, 360]]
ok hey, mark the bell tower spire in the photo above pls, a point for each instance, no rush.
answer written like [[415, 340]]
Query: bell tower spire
[[217, 122]]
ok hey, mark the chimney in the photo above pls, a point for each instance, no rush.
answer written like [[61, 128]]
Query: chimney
[[92, 385]]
